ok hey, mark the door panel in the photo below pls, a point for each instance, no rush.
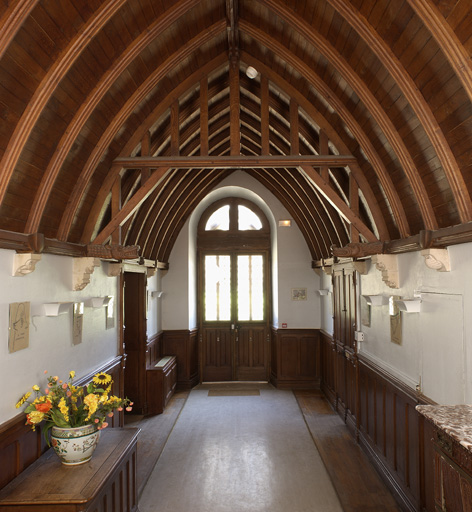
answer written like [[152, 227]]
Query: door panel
[[218, 354], [251, 353]]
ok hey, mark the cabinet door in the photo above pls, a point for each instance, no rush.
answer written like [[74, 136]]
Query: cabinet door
[[452, 486]]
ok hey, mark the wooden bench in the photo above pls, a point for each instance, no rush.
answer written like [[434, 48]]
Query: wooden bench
[[107, 482], [161, 379]]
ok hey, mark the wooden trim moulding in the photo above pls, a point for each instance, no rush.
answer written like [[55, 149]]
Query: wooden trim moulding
[[425, 239]]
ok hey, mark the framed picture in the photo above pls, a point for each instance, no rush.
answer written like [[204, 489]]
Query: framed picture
[[18, 335], [298, 293]]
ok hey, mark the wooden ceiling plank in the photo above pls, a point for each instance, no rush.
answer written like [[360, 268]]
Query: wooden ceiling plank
[[88, 106], [131, 206], [46, 88], [340, 205], [460, 61], [12, 20], [234, 109], [376, 111]]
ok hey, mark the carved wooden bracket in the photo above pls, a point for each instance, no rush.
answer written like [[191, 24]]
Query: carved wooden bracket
[[437, 259], [388, 265], [113, 252], [25, 263], [83, 269], [358, 250]]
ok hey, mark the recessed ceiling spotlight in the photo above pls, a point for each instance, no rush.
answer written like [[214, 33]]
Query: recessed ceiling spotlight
[[251, 72]]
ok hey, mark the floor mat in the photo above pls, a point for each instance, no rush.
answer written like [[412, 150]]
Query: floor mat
[[234, 392]]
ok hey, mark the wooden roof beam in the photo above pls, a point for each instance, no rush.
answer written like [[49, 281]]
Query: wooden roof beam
[[233, 161]]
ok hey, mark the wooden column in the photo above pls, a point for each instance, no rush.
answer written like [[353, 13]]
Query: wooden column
[[115, 208], [146, 151], [324, 150], [204, 117], [235, 135], [294, 140], [264, 115], [174, 129], [354, 202]]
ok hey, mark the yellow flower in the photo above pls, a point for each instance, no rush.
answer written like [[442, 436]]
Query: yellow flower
[[71, 374], [91, 401], [63, 408], [35, 417], [35, 387], [23, 399], [101, 378]]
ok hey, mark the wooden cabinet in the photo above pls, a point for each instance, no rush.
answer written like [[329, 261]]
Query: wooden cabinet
[[161, 379], [107, 482], [452, 475]]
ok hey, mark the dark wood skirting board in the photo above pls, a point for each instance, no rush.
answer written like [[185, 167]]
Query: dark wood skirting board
[[20, 446], [380, 412], [184, 345], [295, 358]]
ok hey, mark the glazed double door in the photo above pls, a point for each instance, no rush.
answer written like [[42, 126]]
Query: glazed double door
[[234, 325]]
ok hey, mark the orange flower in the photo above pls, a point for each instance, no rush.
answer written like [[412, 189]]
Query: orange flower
[[44, 407]]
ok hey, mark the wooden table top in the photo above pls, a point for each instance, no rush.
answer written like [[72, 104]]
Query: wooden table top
[[49, 481]]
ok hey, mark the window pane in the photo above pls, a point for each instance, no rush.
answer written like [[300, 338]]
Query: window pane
[[247, 219], [250, 288], [217, 288], [219, 220]]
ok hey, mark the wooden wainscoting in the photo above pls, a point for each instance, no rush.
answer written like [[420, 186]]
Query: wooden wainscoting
[[295, 358], [184, 345], [380, 412], [20, 446]]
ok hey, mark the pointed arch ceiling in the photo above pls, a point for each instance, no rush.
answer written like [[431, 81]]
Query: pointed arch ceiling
[[118, 117]]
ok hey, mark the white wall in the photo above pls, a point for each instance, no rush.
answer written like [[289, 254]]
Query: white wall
[[291, 262], [50, 338], [436, 349]]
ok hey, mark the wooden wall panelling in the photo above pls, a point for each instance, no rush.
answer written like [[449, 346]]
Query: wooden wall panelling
[[295, 358], [184, 345], [20, 446]]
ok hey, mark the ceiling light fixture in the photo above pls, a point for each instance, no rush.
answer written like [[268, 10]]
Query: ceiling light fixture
[[251, 72]]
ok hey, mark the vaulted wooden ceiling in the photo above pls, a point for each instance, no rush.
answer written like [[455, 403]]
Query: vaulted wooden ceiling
[[119, 116]]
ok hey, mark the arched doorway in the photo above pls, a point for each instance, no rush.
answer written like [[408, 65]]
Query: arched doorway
[[233, 244]]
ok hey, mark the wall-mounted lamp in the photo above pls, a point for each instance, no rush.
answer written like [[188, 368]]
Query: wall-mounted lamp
[[285, 223], [51, 309], [157, 294], [98, 302], [409, 305], [323, 292], [376, 300]]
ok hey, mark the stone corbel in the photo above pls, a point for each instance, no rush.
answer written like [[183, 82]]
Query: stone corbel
[[151, 272], [437, 259], [388, 265], [83, 269], [25, 263], [114, 269]]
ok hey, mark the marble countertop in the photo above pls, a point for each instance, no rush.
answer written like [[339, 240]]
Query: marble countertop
[[454, 420]]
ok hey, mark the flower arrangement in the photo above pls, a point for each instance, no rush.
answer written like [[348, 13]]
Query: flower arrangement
[[65, 405]]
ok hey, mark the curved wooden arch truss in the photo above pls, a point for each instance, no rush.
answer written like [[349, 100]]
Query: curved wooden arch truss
[[120, 117]]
